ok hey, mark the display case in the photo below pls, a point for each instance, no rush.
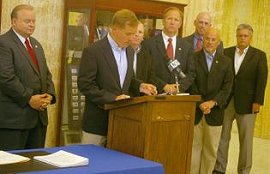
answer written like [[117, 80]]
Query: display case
[[86, 22]]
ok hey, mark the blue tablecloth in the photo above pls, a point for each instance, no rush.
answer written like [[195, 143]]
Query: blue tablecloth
[[103, 161]]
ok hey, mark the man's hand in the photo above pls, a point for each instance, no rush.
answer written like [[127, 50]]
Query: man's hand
[[40, 101], [121, 97], [207, 106], [148, 89], [170, 88], [255, 108]]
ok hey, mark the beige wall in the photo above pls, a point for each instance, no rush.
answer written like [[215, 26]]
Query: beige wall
[[49, 27], [226, 15]]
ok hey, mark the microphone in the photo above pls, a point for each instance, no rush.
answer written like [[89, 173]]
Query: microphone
[[174, 66]]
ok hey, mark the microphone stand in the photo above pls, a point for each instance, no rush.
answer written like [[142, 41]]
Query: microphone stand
[[177, 83]]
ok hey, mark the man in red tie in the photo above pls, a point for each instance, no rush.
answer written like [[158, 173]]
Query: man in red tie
[[26, 87], [31, 53], [168, 45], [169, 49]]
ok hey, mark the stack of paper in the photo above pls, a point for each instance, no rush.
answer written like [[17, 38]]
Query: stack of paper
[[9, 158], [63, 159]]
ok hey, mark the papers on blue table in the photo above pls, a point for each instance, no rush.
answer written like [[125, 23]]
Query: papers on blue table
[[9, 158], [63, 159]]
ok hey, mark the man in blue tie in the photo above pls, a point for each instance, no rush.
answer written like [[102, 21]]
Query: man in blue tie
[[213, 81]]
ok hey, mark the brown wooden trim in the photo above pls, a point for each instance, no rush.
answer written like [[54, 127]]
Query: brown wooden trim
[[138, 6], [0, 14], [62, 80]]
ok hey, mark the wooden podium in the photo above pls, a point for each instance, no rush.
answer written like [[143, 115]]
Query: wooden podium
[[158, 128]]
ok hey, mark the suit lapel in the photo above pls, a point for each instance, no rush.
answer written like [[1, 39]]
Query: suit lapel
[[161, 48], [23, 50], [247, 58], [230, 53], [190, 39], [140, 62], [202, 62], [178, 49], [38, 56], [215, 63], [130, 58], [110, 60]]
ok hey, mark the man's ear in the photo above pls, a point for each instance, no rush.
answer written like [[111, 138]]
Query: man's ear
[[194, 23]]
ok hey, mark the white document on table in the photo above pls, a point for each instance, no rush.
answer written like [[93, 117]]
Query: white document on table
[[62, 158], [10, 158]]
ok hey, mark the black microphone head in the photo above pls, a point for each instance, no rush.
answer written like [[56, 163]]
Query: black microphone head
[[174, 66], [169, 65]]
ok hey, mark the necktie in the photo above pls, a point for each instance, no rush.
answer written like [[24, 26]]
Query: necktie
[[199, 44], [31, 53], [170, 49], [209, 61]]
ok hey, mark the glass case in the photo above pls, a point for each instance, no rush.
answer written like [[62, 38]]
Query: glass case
[[77, 32]]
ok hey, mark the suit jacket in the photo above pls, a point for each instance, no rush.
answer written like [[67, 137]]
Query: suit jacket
[[214, 85], [145, 70], [99, 81], [250, 81], [19, 80], [190, 40], [183, 53]]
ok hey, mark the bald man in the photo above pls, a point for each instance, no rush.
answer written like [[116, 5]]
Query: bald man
[[202, 23], [213, 81]]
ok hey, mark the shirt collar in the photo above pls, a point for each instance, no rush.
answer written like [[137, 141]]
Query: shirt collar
[[198, 36], [22, 39], [209, 56], [245, 50], [113, 44], [165, 37], [137, 50]]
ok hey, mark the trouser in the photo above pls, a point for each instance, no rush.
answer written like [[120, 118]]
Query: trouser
[[245, 125], [15, 139], [89, 138], [204, 148]]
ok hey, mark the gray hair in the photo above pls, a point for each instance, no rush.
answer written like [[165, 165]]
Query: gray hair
[[245, 26], [14, 13]]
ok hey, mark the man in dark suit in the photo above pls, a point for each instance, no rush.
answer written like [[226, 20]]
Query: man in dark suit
[[26, 87], [143, 64], [168, 46], [106, 75], [250, 69], [202, 23], [213, 81]]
